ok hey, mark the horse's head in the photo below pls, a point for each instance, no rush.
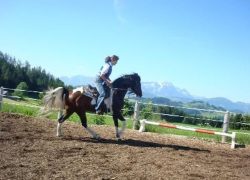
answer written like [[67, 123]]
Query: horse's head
[[132, 81], [136, 84]]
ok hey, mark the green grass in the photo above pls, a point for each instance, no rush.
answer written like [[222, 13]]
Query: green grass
[[23, 107], [20, 108]]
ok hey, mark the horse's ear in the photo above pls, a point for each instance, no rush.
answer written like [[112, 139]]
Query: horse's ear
[[132, 78], [136, 76]]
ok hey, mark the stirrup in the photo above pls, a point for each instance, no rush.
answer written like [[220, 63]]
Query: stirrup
[[99, 112]]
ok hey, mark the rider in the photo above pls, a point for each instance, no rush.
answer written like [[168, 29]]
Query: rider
[[103, 81]]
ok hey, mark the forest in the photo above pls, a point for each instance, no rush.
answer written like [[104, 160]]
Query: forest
[[13, 73]]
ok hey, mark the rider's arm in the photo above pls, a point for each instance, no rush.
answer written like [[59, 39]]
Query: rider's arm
[[107, 80], [103, 73]]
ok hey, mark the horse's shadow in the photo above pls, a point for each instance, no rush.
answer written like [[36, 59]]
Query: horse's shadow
[[135, 143]]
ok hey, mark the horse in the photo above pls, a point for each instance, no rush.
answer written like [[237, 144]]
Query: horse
[[82, 102]]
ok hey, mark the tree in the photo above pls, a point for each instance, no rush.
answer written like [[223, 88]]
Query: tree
[[128, 108], [21, 90], [147, 111], [12, 72]]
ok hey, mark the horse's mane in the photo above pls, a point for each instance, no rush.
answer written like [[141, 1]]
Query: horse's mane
[[133, 76]]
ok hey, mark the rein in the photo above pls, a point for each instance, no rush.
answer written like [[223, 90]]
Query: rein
[[119, 89]]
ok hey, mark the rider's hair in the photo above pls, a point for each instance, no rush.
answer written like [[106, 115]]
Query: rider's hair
[[108, 58]]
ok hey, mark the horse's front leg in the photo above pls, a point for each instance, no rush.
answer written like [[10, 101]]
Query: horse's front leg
[[61, 119], [119, 133], [83, 118]]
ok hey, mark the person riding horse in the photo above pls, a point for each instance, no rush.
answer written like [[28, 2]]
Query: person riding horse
[[103, 82], [80, 103]]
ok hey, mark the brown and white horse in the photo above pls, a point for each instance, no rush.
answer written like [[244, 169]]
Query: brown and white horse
[[81, 103]]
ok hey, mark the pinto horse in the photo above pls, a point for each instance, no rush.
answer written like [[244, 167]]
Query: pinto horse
[[80, 103]]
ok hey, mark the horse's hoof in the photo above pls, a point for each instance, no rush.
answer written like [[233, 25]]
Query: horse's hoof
[[97, 137], [118, 137], [99, 112]]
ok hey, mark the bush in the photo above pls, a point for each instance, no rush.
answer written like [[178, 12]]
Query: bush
[[99, 120], [21, 86]]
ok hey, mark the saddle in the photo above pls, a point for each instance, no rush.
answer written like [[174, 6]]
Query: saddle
[[92, 92], [88, 90]]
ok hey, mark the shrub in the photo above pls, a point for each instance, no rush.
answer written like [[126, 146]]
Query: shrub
[[21, 86], [99, 120]]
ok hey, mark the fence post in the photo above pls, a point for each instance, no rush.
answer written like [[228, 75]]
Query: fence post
[[1, 97], [136, 115], [225, 125]]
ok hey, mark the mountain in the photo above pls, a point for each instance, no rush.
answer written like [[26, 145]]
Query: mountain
[[168, 90], [238, 107], [165, 89]]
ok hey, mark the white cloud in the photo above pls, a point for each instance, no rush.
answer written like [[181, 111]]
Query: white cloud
[[118, 7]]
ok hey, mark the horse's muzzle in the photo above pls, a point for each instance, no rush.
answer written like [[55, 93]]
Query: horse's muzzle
[[139, 95]]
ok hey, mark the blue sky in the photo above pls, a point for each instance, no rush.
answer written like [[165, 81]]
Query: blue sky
[[202, 46]]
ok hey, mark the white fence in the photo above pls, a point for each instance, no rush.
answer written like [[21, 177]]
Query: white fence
[[225, 126], [206, 131], [3, 93], [1, 97]]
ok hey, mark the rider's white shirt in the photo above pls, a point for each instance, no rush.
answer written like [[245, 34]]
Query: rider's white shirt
[[105, 68]]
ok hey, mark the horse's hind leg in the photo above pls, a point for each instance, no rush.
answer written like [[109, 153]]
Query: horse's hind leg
[[61, 119], [83, 118]]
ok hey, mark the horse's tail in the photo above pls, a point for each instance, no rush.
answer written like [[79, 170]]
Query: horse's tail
[[55, 98]]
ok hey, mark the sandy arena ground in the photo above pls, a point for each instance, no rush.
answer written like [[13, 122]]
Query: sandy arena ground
[[29, 149]]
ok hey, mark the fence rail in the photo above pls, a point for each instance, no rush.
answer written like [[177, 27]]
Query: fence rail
[[22, 90], [205, 131], [225, 120], [179, 107]]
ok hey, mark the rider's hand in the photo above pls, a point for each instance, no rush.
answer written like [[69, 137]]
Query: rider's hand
[[109, 83]]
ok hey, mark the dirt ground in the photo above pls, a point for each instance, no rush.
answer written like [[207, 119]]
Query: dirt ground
[[29, 149]]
